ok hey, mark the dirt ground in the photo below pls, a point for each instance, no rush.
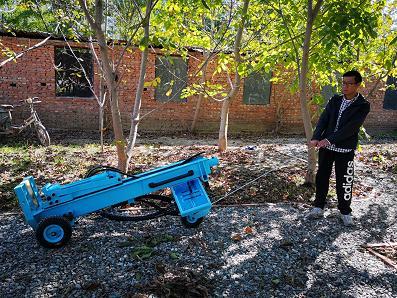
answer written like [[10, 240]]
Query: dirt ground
[[246, 159]]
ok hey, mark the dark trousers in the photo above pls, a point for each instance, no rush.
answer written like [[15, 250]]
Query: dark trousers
[[344, 172]]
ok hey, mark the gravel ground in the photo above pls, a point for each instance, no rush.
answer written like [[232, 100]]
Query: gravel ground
[[266, 251]]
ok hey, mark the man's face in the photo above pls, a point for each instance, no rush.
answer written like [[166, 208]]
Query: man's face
[[349, 86]]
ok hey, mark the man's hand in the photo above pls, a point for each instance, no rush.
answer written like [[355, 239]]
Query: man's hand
[[313, 143], [323, 143]]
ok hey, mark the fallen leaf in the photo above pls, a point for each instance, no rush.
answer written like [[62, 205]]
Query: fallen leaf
[[160, 268], [142, 252], [237, 237], [248, 230], [174, 255], [275, 281]]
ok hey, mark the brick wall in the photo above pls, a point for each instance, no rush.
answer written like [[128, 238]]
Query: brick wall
[[379, 119], [34, 75]]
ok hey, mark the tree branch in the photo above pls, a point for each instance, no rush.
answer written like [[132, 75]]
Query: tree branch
[[90, 19], [16, 56]]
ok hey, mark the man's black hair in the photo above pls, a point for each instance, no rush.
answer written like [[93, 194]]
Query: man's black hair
[[354, 73]]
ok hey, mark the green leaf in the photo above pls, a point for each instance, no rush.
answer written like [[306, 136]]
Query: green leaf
[[359, 148], [158, 239], [241, 69], [143, 44], [153, 83], [142, 252], [126, 244], [174, 255], [138, 276], [393, 41], [275, 281]]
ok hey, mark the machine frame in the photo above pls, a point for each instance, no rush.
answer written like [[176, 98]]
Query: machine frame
[[53, 211]]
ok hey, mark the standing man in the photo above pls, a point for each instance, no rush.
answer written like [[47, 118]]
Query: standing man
[[336, 136]]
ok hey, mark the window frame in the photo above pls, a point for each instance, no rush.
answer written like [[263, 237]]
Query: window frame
[[390, 95], [159, 94], [252, 77], [88, 67]]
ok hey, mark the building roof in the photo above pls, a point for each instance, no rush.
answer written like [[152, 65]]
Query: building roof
[[26, 34], [42, 35]]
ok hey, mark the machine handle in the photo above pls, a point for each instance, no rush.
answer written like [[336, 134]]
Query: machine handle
[[156, 184], [189, 159]]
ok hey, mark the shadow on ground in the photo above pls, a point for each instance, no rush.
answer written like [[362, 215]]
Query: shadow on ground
[[284, 255]]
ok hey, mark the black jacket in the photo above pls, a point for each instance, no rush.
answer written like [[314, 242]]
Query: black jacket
[[349, 124]]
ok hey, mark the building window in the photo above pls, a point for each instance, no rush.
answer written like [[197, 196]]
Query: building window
[[71, 74], [327, 92], [172, 72], [390, 99], [257, 87]]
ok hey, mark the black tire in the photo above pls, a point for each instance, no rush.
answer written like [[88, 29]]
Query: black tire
[[189, 223], [158, 205], [206, 185], [53, 232], [42, 134], [93, 170]]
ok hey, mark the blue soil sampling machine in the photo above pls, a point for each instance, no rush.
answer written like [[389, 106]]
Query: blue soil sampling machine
[[54, 210]]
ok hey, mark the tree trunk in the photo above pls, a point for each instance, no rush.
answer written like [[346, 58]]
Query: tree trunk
[[101, 104], [139, 91], [222, 140], [101, 113], [306, 118], [201, 95], [279, 117], [118, 128], [110, 77], [102, 92]]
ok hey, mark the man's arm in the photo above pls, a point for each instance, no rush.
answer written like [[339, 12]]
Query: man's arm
[[323, 143], [351, 128], [322, 122]]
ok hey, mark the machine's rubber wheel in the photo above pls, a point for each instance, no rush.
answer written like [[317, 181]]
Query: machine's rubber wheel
[[153, 206], [42, 134], [53, 232], [206, 185], [184, 161], [96, 169], [93, 170], [191, 222]]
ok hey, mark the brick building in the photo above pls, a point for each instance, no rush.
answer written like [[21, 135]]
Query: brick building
[[260, 106]]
